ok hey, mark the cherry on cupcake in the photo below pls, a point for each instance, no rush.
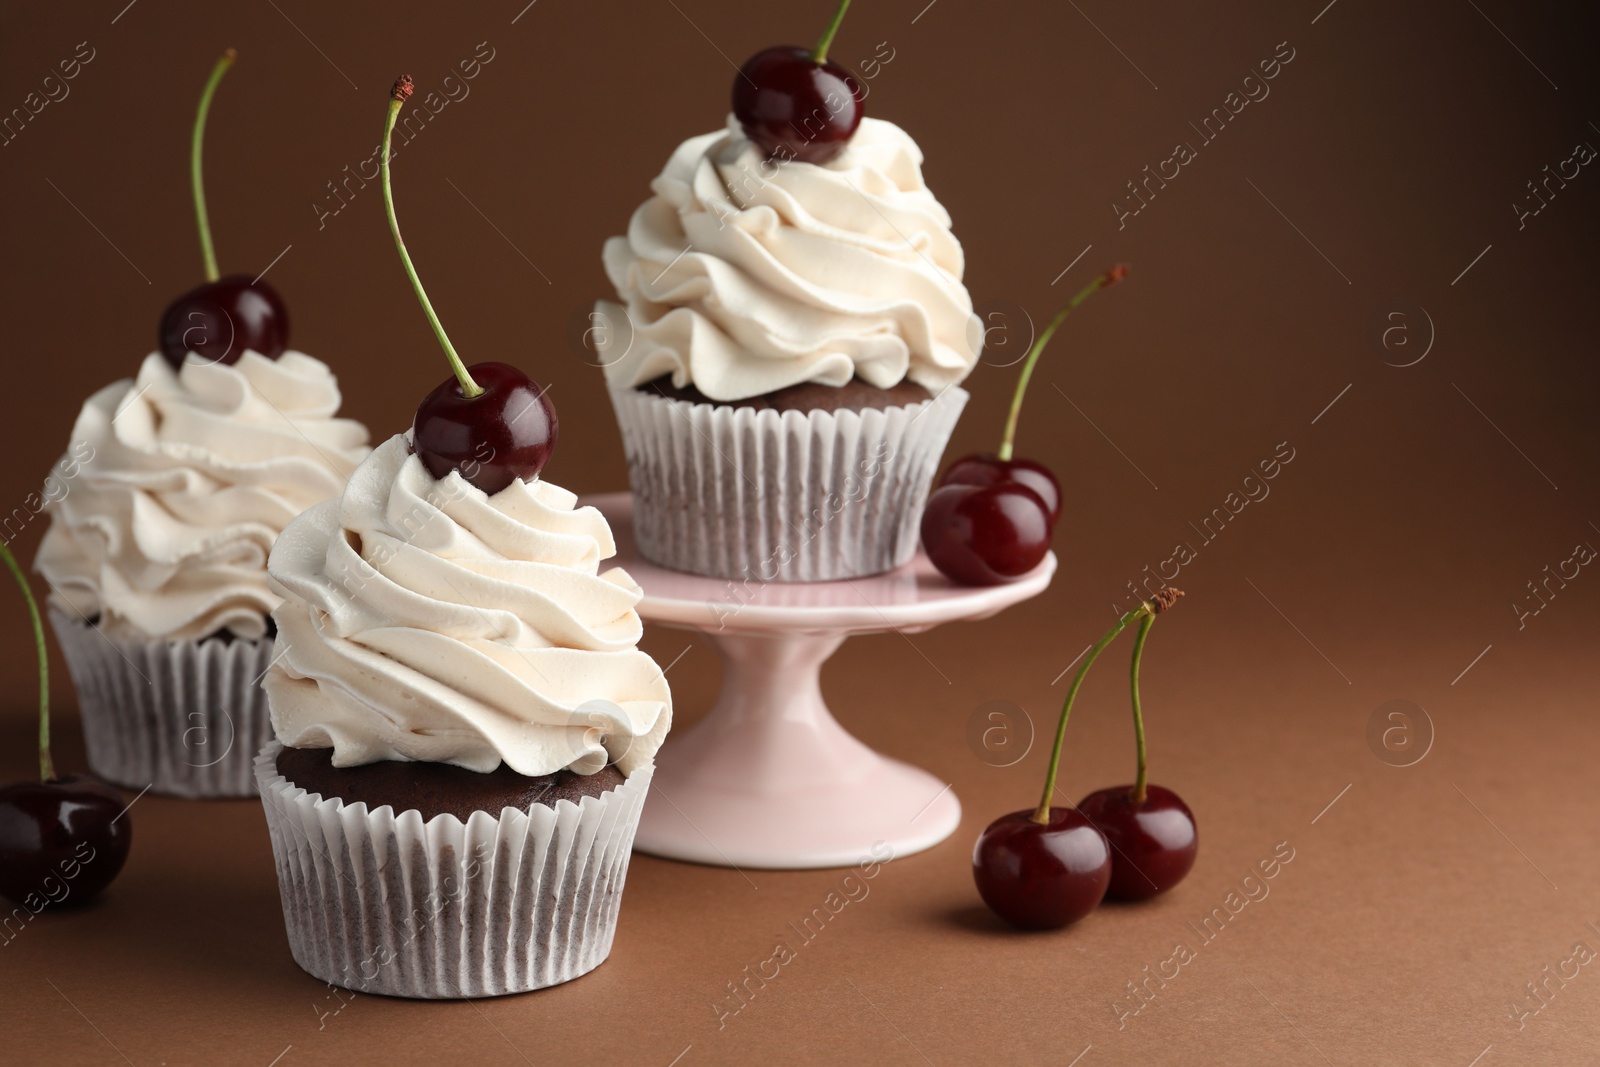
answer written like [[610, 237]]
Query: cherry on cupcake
[[489, 421], [64, 838], [981, 524], [795, 103], [1048, 867], [225, 317], [1151, 830]]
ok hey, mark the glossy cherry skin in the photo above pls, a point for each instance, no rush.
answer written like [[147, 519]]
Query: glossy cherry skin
[[1041, 877], [986, 468], [61, 841], [505, 433], [794, 107], [985, 534], [221, 320], [1153, 844]]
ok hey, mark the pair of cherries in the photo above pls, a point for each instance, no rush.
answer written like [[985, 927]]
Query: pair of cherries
[[1048, 867], [992, 516]]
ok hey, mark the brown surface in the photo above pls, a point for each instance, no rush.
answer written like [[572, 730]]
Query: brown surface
[[437, 788], [854, 395], [1384, 562]]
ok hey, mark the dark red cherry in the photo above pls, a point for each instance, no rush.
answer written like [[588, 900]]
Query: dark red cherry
[[794, 107], [1041, 877], [506, 432], [986, 468], [222, 320], [61, 841], [1153, 844], [985, 534]]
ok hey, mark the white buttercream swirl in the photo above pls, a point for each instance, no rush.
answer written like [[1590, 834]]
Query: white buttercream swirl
[[426, 620], [743, 276], [180, 482]]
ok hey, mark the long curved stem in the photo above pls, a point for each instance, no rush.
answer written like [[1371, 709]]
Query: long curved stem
[[819, 54], [1138, 712], [207, 252], [1110, 277], [47, 768], [469, 388], [1042, 814]]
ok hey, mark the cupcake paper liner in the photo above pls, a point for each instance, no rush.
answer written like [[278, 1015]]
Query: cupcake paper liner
[[790, 496], [184, 718], [385, 903]]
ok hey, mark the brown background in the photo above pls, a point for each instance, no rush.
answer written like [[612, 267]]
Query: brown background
[[1391, 548]]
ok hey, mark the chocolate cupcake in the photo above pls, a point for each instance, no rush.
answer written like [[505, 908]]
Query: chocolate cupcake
[[162, 513], [465, 733], [786, 357]]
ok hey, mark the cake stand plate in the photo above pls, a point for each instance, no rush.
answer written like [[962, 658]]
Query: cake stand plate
[[768, 778]]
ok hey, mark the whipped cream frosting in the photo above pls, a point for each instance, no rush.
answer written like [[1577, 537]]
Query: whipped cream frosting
[[743, 276], [426, 620], [182, 480]]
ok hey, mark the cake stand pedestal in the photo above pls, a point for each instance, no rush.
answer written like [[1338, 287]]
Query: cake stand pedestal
[[768, 778]]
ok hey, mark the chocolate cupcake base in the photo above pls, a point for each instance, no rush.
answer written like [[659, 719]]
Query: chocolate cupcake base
[[183, 718], [773, 493], [442, 908]]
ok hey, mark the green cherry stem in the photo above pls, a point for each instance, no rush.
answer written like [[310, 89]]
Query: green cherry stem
[[1138, 712], [207, 252], [1110, 277], [819, 54], [1160, 603], [1146, 611], [397, 98], [47, 769]]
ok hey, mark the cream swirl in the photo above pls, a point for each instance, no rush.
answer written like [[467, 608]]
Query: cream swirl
[[182, 480], [426, 620], [743, 275]]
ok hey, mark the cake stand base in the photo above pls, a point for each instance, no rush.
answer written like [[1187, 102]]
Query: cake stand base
[[770, 779]]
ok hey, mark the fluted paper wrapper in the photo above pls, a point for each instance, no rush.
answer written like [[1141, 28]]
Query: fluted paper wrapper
[[184, 718], [790, 496], [386, 903]]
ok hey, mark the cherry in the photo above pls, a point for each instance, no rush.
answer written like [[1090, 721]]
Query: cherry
[[221, 320], [1051, 866], [489, 421], [225, 317], [987, 468], [504, 433], [796, 104], [1151, 828], [61, 841], [985, 534], [1041, 876], [795, 108], [1153, 844], [989, 536]]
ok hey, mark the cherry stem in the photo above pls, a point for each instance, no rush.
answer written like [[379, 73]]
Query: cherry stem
[[1042, 815], [207, 252], [1138, 712], [47, 769], [1110, 277], [397, 99], [819, 54]]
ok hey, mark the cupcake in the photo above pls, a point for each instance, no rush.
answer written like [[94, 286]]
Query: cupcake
[[465, 733], [162, 513], [166, 504], [466, 728], [786, 356]]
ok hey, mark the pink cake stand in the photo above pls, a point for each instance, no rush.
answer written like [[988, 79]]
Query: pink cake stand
[[768, 778]]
